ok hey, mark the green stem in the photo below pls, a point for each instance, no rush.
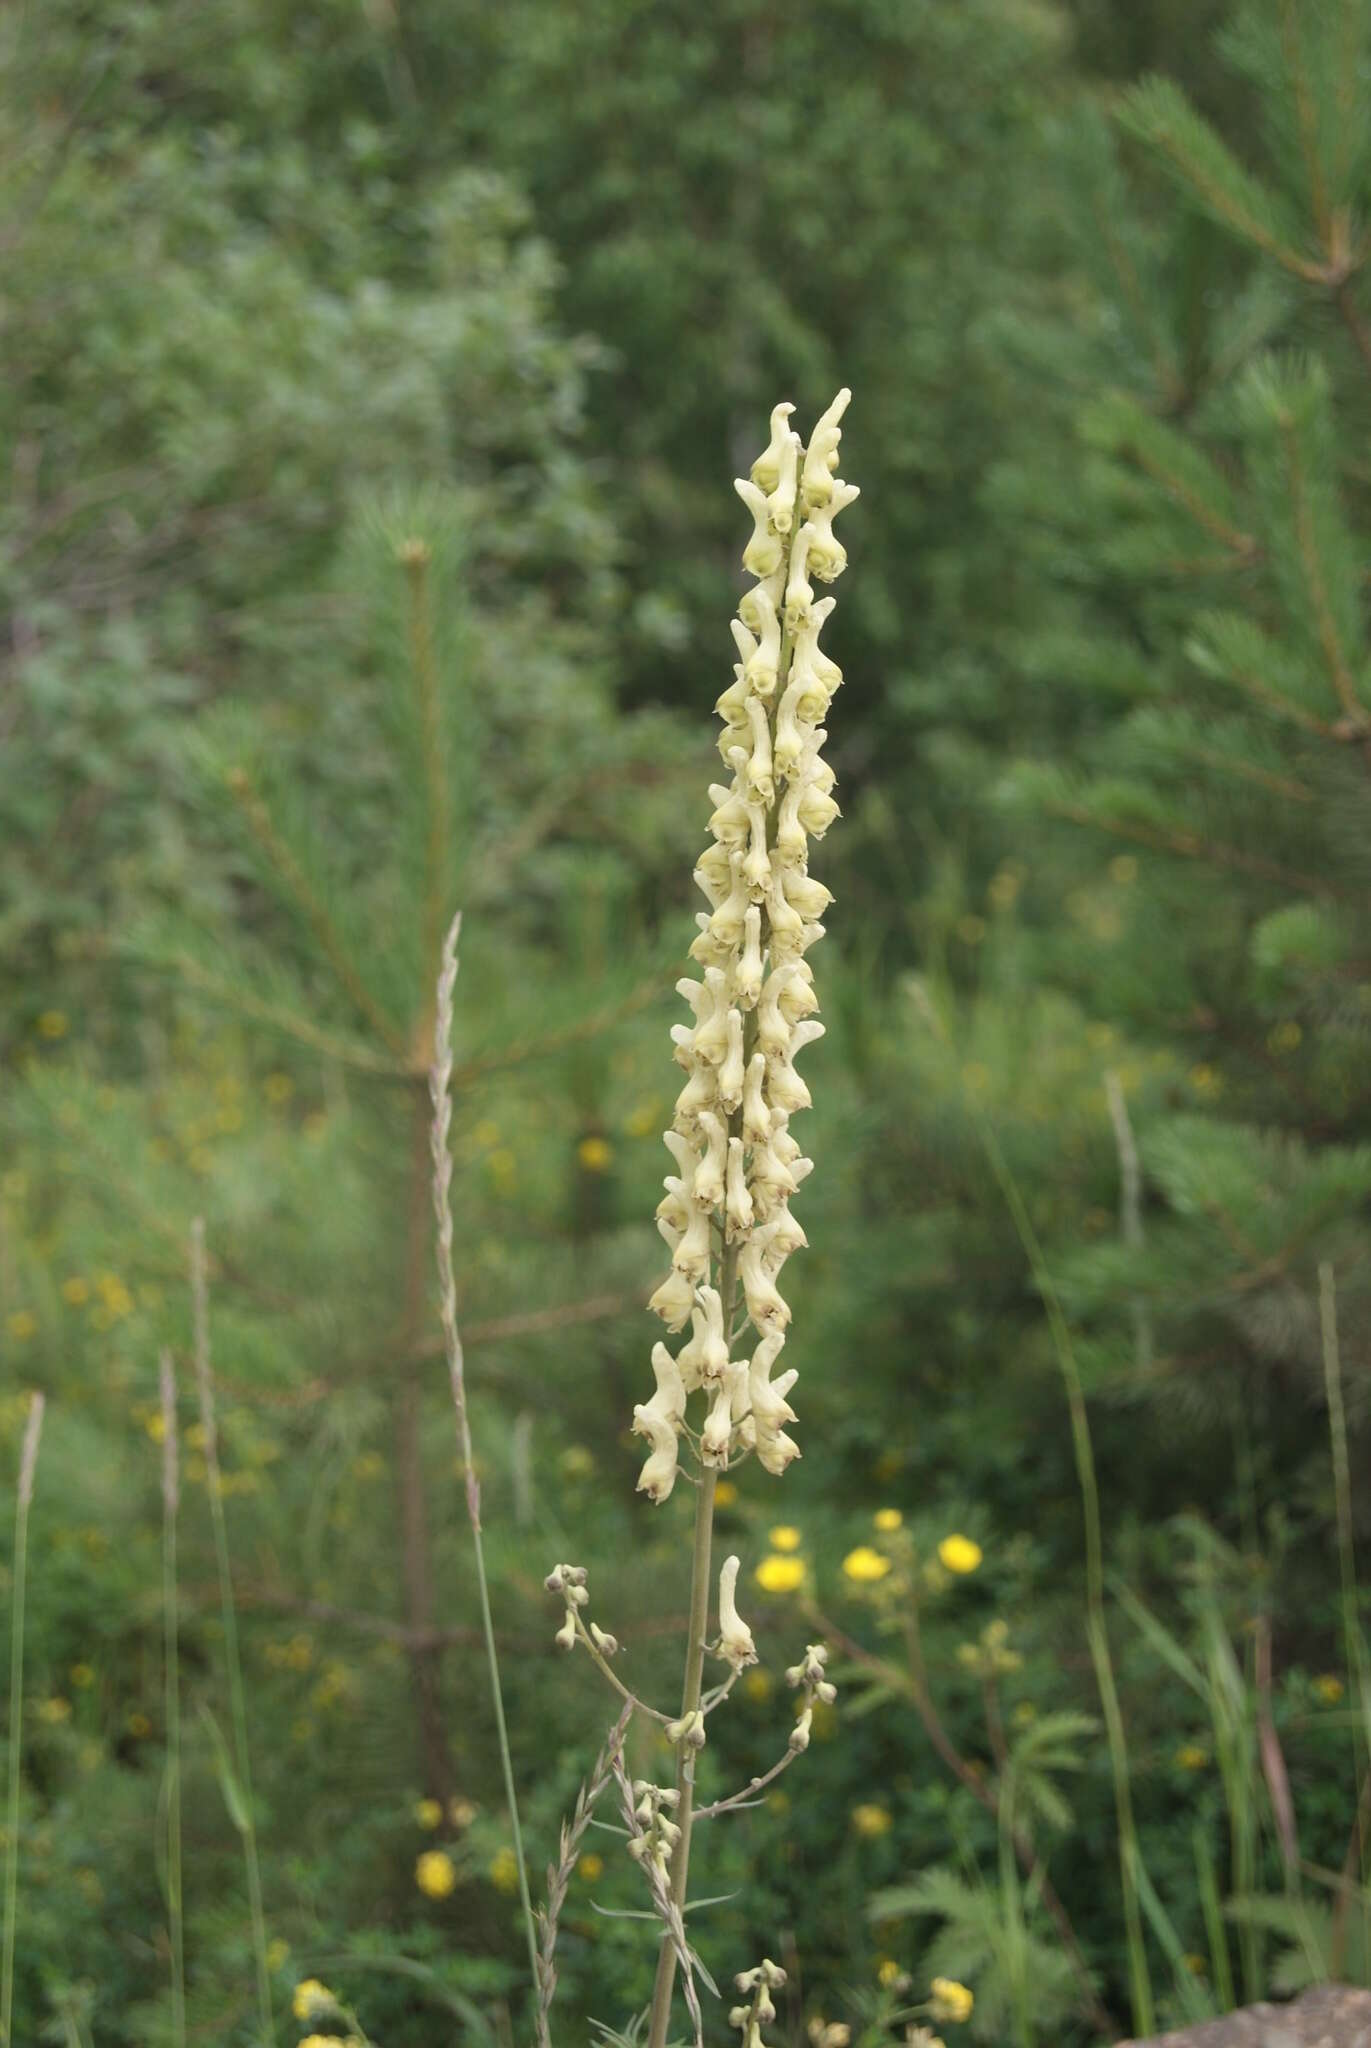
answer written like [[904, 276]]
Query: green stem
[[172, 1680], [28, 1459], [1096, 1631], [1354, 1642], [229, 1619], [690, 1700]]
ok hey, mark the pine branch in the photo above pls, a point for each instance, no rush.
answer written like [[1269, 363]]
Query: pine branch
[[296, 884], [1158, 114]]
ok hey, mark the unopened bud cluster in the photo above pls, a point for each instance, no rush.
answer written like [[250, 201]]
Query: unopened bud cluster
[[761, 2010], [808, 1678], [653, 1808], [737, 1164], [568, 1582]]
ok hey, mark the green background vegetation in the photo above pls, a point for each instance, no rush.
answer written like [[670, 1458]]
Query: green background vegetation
[[290, 283]]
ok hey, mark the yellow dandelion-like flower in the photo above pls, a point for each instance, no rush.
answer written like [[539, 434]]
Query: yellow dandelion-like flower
[[277, 1952], [780, 1574], [784, 1538], [139, 1727], [950, 2000], [462, 1812], [75, 1292], [595, 1154], [590, 1866], [311, 2000], [22, 1325], [1329, 1688], [725, 1494], [504, 1870], [320, 2041], [871, 1820], [55, 1711], [435, 1873], [53, 1024], [577, 1462], [156, 1427], [960, 1554], [1191, 1757], [759, 1686], [887, 1520], [429, 1814], [864, 1565], [888, 1971]]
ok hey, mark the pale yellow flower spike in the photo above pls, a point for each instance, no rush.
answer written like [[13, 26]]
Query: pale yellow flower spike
[[725, 1215]]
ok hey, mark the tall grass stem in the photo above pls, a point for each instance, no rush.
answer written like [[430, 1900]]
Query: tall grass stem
[[171, 1501], [1354, 1641], [1097, 1633], [440, 1078], [28, 1461], [204, 1380]]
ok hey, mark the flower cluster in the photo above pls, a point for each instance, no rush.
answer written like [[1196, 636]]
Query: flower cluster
[[808, 1676], [737, 1164], [761, 2010], [660, 1833], [568, 1583]]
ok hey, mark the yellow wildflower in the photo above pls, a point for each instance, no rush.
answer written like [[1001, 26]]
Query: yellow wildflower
[[1205, 1080], [590, 1866], [55, 1711], [960, 1554], [725, 1494], [1329, 1688], [888, 1971], [950, 2000], [461, 1812], [595, 1154], [75, 1292], [277, 1951], [784, 1538], [758, 1685], [871, 1820], [780, 1574], [1191, 1757], [504, 1870], [22, 1325], [139, 1727], [320, 2041], [435, 1873], [82, 1677], [311, 2000], [865, 1564], [156, 1427], [577, 1462], [429, 1813], [887, 1520], [53, 1024]]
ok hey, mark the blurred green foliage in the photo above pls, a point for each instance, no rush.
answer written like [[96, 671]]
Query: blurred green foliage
[[375, 376]]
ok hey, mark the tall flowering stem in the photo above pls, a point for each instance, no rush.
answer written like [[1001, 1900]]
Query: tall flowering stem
[[726, 1212]]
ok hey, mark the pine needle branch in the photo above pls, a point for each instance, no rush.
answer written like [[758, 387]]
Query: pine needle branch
[[297, 885]]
